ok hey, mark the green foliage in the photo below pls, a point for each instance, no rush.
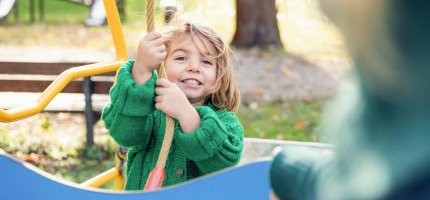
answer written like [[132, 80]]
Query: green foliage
[[56, 12], [291, 120], [95, 152], [57, 149], [45, 124], [4, 138]]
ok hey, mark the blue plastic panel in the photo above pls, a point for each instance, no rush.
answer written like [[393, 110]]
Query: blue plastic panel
[[19, 180]]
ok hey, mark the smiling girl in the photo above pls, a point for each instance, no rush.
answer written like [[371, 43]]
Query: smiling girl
[[200, 93]]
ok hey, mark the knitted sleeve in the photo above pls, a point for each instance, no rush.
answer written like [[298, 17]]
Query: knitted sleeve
[[216, 144], [129, 114]]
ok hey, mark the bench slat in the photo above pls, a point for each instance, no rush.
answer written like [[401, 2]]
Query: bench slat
[[99, 87], [40, 68]]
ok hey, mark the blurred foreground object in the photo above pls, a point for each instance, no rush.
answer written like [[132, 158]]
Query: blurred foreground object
[[379, 123]]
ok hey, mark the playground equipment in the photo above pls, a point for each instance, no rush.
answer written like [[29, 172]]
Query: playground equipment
[[248, 181]]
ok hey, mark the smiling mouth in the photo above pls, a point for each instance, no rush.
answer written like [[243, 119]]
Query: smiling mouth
[[191, 81]]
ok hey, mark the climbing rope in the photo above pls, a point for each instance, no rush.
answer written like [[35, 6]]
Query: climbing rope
[[156, 177]]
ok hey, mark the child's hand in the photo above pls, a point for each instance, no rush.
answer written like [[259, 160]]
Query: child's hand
[[171, 100], [150, 53]]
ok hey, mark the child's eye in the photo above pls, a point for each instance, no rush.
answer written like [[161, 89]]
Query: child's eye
[[207, 62], [180, 58]]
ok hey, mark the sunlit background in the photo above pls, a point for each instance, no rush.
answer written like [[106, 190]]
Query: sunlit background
[[303, 28]]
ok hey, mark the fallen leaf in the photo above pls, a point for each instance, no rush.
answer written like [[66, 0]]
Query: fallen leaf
[[32, 158], [255, 90], [300, 124], [268, 65], [286, 72]]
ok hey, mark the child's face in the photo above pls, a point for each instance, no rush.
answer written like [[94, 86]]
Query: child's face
[[190, 64]]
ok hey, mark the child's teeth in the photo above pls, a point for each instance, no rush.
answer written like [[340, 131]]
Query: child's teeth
[[192, 82]]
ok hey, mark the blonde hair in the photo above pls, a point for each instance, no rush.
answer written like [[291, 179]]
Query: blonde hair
[[226, 93]]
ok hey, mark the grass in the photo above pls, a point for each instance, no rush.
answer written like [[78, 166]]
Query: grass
[[293, 120], [56, 12]]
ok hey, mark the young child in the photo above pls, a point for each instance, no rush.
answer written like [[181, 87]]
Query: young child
[[200, 94]]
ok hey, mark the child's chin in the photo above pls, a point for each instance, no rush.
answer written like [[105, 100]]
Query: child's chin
[[192, 93], [193, 97]]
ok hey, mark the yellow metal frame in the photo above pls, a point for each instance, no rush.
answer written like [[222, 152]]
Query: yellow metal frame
[[104, 178], [78, 72]]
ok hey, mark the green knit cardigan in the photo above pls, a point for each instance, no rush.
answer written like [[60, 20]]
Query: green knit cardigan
[[134, 122]]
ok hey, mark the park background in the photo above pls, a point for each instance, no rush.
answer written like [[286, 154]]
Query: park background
[[284, 88]]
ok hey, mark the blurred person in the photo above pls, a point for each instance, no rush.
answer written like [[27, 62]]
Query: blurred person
[[380, 122]]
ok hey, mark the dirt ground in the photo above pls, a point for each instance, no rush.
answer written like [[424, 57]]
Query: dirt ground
[[287, 77]]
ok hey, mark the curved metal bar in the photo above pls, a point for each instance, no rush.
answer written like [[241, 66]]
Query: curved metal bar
[[56, 87], [102, 178], [77, 72]]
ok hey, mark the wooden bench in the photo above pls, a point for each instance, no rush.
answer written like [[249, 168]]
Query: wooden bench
[[21, 77]]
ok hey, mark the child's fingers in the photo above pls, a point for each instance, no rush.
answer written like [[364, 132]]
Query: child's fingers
[[162, 82], [160, 91], [161, 48], [152, 36], [162, 55], [158, 41], [159, 99], [159, 106]]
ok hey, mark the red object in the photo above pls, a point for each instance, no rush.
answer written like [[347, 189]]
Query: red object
[[155, 179]]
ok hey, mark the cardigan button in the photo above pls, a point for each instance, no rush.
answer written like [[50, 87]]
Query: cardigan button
[[179, 172]]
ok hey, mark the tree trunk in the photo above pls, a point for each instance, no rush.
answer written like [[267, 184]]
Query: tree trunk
[[256, 25]]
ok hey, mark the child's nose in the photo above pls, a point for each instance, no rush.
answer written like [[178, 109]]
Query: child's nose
[[193, 67]]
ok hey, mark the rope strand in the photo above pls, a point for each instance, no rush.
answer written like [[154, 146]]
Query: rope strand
[[170, 123], [150, 10]]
